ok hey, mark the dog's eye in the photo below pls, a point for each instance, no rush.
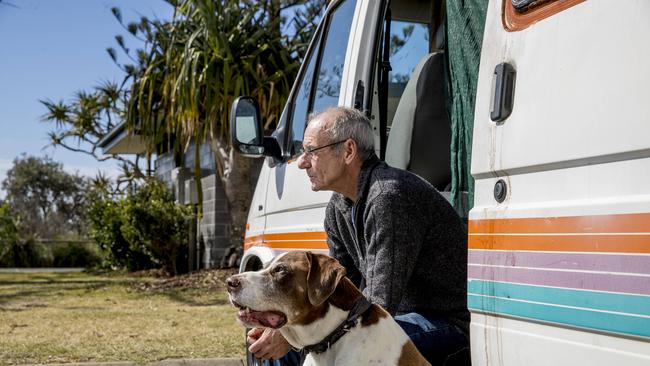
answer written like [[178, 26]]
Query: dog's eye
[[280, 270]]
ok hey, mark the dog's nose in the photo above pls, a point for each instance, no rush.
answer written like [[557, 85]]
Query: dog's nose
[[233, 283]]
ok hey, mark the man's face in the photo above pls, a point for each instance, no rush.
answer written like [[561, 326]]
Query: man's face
[[325, 166]]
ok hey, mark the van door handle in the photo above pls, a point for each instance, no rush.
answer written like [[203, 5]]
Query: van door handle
[[504, 92]]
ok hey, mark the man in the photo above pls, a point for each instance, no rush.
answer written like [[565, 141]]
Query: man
[[398, 238]]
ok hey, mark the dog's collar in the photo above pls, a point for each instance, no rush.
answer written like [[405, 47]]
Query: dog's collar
[[359, 308]]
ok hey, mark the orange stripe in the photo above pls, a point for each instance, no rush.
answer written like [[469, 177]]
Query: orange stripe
[[565, 243], [628, 223], [251, 239], [293, 240], [613, 230], [291, 245], [307, 235]]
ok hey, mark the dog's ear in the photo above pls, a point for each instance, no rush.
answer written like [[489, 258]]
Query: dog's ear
[[324, 275]]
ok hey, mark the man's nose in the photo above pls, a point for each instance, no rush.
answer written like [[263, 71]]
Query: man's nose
[[233, 283], [302, 162]]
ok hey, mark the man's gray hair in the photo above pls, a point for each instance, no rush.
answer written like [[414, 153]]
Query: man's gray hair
[[349, 123]]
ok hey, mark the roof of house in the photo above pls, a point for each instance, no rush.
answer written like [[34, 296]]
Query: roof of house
[[120, 141]]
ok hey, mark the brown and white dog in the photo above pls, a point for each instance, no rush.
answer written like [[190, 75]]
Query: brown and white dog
[[307, 297]]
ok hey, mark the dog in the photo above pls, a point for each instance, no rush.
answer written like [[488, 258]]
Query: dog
[[320, 312]]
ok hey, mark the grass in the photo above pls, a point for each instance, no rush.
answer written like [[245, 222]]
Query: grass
[[79, 317]]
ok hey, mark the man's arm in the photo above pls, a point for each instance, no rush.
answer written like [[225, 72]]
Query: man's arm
[[393, 242]]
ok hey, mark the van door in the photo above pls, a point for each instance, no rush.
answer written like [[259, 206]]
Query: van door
[[559, 272], [294, 214]]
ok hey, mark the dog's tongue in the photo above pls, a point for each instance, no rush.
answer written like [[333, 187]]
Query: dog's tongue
[[267, 318]]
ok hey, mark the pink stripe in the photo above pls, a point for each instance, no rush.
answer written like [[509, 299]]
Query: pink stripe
[[576, 280], [575, 261]]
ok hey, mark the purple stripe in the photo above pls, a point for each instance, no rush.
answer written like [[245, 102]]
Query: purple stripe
[[575, 280], [575, 261]]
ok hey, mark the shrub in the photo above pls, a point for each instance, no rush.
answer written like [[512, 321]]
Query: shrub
[[105, 220], [14, 250], [141, 230], [24, 253], [157, 225], [74, 254]]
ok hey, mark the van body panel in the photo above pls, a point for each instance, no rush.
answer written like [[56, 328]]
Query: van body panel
[[559, 272], [291, 204], [581, 82], [509, 341]]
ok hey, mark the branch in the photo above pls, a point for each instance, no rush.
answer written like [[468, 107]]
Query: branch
[[94, 155], [291, 4]]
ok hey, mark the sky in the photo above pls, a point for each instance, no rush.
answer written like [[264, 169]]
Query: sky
[[49, 49]]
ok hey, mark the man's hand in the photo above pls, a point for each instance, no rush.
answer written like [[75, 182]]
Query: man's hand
[[267, 343]]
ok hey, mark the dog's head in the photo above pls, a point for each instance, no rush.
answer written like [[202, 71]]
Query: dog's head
[[290, 290]]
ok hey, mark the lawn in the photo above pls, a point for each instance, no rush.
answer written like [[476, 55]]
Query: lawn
[[80, 317]]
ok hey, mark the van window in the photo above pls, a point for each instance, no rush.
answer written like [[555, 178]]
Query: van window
[[301, 102], [520, 14], [409, 43], [523, 5], [328, 86], [328, 77]]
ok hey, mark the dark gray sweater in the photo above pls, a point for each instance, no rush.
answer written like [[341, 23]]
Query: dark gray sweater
[[410, 246]]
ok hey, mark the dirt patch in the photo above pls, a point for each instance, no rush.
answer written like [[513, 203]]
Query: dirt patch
[[209, 279]]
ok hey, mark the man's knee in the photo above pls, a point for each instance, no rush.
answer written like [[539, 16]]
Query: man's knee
[[440, 341]]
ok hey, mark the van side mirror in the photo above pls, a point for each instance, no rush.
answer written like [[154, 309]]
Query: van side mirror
[[246, 127], [246, 131]]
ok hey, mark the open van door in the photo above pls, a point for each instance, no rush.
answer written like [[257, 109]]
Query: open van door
[[285, 213]]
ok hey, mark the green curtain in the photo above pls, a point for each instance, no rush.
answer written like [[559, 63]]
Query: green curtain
[[465, 23]]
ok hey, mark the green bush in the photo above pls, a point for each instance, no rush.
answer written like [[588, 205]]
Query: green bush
[[24, 253], [74, 254], [143, 229], [157, 225], [105, 220], [14, 250]]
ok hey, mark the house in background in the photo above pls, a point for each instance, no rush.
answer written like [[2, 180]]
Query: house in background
[[211, 238]]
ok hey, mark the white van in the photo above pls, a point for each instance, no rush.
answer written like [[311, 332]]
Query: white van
[[559, 140]]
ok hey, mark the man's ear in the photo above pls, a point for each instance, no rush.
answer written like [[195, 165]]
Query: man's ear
[[351, 150], [324, 275]]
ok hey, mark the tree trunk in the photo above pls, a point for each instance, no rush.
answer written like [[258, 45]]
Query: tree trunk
[[237, 186], [235, 172]]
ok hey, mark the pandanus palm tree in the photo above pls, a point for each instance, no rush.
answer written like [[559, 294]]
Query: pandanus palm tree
[[212, 52]]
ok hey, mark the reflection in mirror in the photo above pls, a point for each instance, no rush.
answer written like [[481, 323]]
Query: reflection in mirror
[[246, 129], [246, 122]]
